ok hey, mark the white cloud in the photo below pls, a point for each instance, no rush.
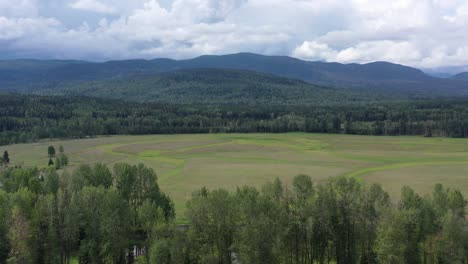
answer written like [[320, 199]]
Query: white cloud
[[20, 8], [93, 6], [18, 28], [385, 50], [419, 33], [423, 33], [315, 51]]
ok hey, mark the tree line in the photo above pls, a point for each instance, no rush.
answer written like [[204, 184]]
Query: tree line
[[27, 118], [340, 221], [100, 215], [93, 215]]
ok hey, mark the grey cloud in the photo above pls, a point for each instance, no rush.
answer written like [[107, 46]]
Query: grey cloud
[[422, 33]]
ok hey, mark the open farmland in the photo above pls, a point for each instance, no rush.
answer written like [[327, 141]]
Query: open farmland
[[185, 163]]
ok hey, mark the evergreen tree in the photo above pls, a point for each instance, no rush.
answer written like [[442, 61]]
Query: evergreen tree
[[6, 157], [51, 151]]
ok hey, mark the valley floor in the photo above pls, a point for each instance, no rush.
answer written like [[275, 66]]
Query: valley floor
[[185, 163]]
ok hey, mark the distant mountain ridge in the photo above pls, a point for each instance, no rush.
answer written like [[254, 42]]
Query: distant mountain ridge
[[461, 76], [33, 75]]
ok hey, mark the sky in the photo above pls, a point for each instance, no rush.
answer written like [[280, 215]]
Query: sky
[[429, 34]]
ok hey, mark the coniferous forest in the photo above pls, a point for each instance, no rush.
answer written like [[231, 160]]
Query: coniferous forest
[[27, 118]]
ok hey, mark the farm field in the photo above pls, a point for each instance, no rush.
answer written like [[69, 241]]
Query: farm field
[[185, 163]]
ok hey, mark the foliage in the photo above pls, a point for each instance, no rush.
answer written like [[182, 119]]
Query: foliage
[[30, 118], [105, 216], [214, 87], [6, 157], [47, 217], [342, 220], [51, 151]]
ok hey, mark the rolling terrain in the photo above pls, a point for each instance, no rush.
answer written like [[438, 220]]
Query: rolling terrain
[[36, 76], [215, 87]]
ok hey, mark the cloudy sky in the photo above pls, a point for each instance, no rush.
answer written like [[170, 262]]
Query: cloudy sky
[[420, 33]]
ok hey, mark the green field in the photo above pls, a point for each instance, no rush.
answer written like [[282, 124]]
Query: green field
[[185, 163]]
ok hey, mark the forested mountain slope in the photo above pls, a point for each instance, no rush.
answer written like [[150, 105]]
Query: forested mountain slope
[[212, 86], [28, 75]]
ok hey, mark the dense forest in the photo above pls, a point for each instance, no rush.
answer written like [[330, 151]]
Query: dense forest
[[215, 87], [120, 215], [26, 118], [94, 212], [392, 79]]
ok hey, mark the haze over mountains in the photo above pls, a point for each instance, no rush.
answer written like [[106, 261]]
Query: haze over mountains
[[78, 77]]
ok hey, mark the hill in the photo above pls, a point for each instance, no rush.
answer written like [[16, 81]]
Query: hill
[[211, 86], [461, 76], [30, 75]]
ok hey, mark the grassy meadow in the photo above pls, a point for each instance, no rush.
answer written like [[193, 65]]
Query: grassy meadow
[[185, 163]]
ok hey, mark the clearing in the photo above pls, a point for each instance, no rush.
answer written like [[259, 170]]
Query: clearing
[[185, 163]]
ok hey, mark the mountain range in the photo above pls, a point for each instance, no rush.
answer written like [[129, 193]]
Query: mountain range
[[211, 86], [461, 76], [77, 77]]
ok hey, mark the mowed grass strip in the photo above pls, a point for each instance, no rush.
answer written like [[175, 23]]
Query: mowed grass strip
[[185, 163]]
